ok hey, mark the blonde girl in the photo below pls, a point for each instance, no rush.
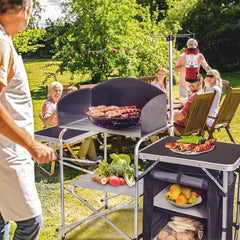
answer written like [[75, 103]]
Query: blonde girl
[[213, 82], [161, 80]]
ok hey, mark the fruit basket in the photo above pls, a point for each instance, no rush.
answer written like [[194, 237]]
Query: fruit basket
[[188, 205], [182, 196]]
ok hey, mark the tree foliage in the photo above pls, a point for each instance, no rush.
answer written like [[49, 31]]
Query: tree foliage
[[216, 25], [154, 5], [111, 38], [27, 41], [106, 38]]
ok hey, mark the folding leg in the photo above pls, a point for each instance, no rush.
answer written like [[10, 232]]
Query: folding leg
[[224, 206], [229, 134], [236, 225]]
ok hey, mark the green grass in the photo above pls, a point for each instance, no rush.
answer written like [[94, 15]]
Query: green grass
[[49, 187]]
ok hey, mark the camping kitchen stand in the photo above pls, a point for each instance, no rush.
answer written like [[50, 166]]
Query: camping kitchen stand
[[71, 116], [122, 92], [153, 102], [177, 168], [158, 124], [72, 120]]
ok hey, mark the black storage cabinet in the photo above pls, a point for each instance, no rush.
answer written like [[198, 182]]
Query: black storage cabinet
[[163, 174]]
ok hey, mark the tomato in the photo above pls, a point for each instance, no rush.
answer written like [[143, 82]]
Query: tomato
[[114, 181], [208, 147], [122, 181]]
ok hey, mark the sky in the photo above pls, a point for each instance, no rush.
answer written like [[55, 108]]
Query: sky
[[51, 9]]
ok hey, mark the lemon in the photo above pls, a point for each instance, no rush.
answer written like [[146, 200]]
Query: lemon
[[176, 193], [168, 196]]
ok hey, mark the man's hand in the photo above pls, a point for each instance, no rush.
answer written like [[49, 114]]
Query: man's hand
[[42, 153]]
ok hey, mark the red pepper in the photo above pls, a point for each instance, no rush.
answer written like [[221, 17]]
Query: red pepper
[[122, 181], [114, 181]]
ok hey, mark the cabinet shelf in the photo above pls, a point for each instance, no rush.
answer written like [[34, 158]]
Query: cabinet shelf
[[199, 210]]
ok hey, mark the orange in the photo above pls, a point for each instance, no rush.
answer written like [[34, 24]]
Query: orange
[[181, 199], [174, 187]]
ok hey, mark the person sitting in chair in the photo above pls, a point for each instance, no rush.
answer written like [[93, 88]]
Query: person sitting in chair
[[49, 114], [161, 81], [213, 82], [49, 119], [180, 117]]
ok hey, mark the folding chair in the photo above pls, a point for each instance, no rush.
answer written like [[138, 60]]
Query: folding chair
[[226, 113], [198, 113], [224, 87]]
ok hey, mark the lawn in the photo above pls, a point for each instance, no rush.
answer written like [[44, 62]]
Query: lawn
[[49, 187]]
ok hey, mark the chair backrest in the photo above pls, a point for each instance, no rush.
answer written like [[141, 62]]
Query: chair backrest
[[228, 107], [66, 89], [198, 113], [148, 79], [224, 87]]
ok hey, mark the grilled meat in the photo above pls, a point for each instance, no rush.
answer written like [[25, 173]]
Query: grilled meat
[[114, 111]]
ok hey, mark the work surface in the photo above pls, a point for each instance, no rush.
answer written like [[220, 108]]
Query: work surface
[[224, 157], [86, 182]]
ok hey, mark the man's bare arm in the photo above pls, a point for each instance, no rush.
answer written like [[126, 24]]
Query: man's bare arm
[[179, 68]]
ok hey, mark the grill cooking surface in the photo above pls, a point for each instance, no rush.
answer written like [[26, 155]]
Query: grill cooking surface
[[71, 109]]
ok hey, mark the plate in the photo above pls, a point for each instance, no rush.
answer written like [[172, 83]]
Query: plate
[[199, 200], [190, 152]]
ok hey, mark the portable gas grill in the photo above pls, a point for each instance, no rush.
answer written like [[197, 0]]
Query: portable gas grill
[[71, 115]]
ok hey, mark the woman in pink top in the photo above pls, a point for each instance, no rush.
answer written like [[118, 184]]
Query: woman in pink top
[[49, 119], [180, 67]]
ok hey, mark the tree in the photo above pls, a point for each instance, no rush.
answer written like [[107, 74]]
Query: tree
[[216, 26], [160, 5], [27, 41], [110, 38]]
